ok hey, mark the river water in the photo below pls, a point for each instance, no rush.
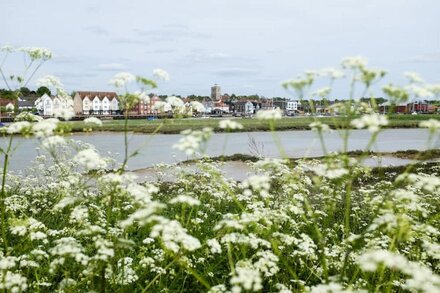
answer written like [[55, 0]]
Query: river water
[[158, 148]]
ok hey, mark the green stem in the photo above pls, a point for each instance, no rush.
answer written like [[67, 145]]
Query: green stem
[[321, 139], [158, 275], [320, 238], [125, 140], [230, 259], [3, 197], [4, 78], [348, 187]]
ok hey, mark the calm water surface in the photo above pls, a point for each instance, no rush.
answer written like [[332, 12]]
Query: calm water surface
[[158, 149]]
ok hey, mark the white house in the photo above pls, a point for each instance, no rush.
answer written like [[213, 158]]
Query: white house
[[96, 104], [292, 105], [86, 105], [249, 108], [114, 104], [105, 106], [46, 105], [49, 106], [101, 103]]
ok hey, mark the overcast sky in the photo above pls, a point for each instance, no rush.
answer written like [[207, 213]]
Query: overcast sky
[[245, 46]]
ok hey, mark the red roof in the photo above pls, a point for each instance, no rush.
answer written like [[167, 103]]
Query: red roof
[[100, 95], [5, 102]]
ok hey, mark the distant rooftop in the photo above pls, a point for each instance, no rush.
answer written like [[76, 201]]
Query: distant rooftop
[[100, 95]]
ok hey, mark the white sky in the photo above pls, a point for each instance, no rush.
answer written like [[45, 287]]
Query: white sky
[[246, 46]]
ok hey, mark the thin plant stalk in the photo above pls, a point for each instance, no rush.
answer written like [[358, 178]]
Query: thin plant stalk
[[3, 196]]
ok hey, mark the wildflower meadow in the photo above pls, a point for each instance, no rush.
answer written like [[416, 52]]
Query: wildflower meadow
[[77, 221]]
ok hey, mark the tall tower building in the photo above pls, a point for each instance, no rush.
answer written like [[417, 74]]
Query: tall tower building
[[216, 93]]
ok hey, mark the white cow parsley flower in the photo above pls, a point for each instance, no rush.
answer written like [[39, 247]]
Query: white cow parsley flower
[[45, 128], [372, 121], [197, 106], [229, 124], [214, 246], [193, 141], [185, 199], [122, 79], [319, 126], [431, 124], [269, 114], [52, 142], [246, 277], [93, 120], [18, 127], [354, 62], [175, 101], [90, 159], [161, 74]]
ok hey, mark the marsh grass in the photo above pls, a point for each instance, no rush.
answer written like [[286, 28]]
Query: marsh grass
[[175, 126]]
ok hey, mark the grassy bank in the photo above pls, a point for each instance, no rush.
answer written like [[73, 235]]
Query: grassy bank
[[408, 154], [170, 126]]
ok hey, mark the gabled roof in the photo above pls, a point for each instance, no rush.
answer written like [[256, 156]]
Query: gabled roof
[[26, 103], [5, 102], [100, 95]]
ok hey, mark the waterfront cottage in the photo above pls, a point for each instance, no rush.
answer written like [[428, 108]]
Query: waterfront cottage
[[96, 103], [50, 105], [245, 107], [6, 105], [292, 106]]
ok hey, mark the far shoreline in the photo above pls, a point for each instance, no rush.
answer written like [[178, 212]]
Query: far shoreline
[[176, 126]]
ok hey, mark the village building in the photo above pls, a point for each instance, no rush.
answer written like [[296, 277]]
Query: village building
[[389, 107], [245, 107], [216, 93], [6, 105], [50, 105], [418, 106], [220, 107], [292, 106], [96, 103], [267, 104]]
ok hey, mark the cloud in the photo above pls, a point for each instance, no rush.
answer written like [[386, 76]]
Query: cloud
[[170, 33], [426, 58], [161, 51], [110, 67], [74, 75], [129, 40], [97, 30], [65, 59], [235, 71], [217, 59]]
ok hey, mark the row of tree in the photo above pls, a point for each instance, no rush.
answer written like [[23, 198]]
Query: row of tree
[[23, 92]]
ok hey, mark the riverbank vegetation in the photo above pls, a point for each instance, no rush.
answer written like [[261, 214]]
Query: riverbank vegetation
[[174, 126], [424, 155]]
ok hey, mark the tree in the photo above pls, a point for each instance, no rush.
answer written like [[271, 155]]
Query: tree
[[43, 90], [25, 92], [8, 94]]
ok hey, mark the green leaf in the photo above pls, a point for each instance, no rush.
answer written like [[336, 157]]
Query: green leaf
[[145, 81]]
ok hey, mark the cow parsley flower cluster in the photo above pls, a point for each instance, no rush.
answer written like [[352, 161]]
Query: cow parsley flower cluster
[[230, 124], [161, 74], [90, 159], [373, 122], [193, 141], [122, 79], [432, 124], [93, 120], [269, 114], [319, 126]]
